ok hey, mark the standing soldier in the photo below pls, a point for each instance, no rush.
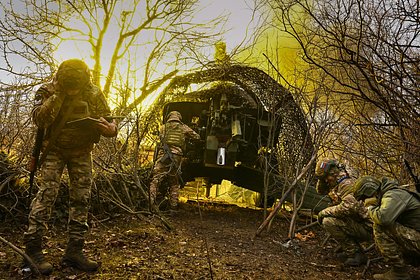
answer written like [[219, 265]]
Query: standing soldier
[[169, 155], [396, 218], [70, 96], [346, 220]]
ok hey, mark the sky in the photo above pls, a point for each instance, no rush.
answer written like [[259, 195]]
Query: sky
[[240, 15], [239, 12]]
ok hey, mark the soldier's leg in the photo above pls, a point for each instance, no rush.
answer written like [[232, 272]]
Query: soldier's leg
[[387, 246], [409, 241], [80, 172], [174, 194], [158, 174], [349, 234], [41, 208], [386, 241], [174, 182], [46, 196]]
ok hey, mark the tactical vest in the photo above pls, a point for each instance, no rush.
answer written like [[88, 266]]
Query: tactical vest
[[77, 136], [174, 135]]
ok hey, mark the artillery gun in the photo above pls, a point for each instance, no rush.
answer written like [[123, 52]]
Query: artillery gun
[[252, 131]]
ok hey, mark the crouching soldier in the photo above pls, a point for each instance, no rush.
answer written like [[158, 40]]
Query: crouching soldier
[[396, 218], [347, 219], [169, 155]]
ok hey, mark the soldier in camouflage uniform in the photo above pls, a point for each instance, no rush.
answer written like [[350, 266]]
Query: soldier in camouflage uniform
[[70, 96], [396, 218], [347, 219], [169, 155]]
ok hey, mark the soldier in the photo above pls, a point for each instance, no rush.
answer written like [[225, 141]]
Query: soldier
[[169, 155], [346, 220], [396, 218], [70, 96]]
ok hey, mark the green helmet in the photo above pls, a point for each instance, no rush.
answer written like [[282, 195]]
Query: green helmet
[[73, 74], [365, 187]]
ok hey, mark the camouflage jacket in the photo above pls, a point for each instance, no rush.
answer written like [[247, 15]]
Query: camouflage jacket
[[346, 204], [343, 188], [184, 132], [396, 205], [49, 108]]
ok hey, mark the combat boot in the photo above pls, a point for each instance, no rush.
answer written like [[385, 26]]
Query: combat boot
[[395, 273], [33, 249], [74, 256], [357, 259]]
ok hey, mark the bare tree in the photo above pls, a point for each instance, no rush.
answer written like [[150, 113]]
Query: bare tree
[[147, 39], [369, 50]]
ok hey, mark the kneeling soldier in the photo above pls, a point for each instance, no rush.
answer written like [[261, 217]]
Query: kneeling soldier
[[346, 220], [396, 218]]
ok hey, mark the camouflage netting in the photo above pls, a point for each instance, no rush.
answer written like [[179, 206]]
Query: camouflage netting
[[253, 87]]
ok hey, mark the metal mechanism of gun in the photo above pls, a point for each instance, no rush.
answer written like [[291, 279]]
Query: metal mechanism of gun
[[224, 133]]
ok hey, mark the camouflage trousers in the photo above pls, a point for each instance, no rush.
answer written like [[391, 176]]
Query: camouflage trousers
[[80, 173], [397, 241], [348, 232], [166, 170]]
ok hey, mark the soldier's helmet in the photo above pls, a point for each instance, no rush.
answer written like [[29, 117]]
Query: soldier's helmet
[[365, 187], [73, 74], [324, 168], [174, 116]]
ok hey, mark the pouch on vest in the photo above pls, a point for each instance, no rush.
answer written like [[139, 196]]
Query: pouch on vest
[[174, 136], [74, 136]]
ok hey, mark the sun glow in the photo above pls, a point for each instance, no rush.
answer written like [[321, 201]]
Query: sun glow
[[238, 26]]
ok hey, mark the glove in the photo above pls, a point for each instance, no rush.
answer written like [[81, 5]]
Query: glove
[[107, 129], [369, 208], [320, 217], [372, 201]]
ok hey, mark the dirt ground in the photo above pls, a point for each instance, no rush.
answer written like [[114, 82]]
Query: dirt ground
[[208, 241]]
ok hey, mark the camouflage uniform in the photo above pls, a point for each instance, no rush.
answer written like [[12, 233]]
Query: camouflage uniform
[[167, 165], [72, 148], [347, 220], [69, 147], [396, 223]]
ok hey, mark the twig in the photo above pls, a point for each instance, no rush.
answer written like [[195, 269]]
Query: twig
[[20, 252], [155, 213], [278, 205], [307, 226], [368, 264], [324, 265], [326, 239], [370, 247], [158, 214]]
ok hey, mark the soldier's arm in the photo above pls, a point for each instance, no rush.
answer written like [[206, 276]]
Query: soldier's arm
[[47, 106], [190, 133], [390, 208], [349, 206], [107, 129]]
